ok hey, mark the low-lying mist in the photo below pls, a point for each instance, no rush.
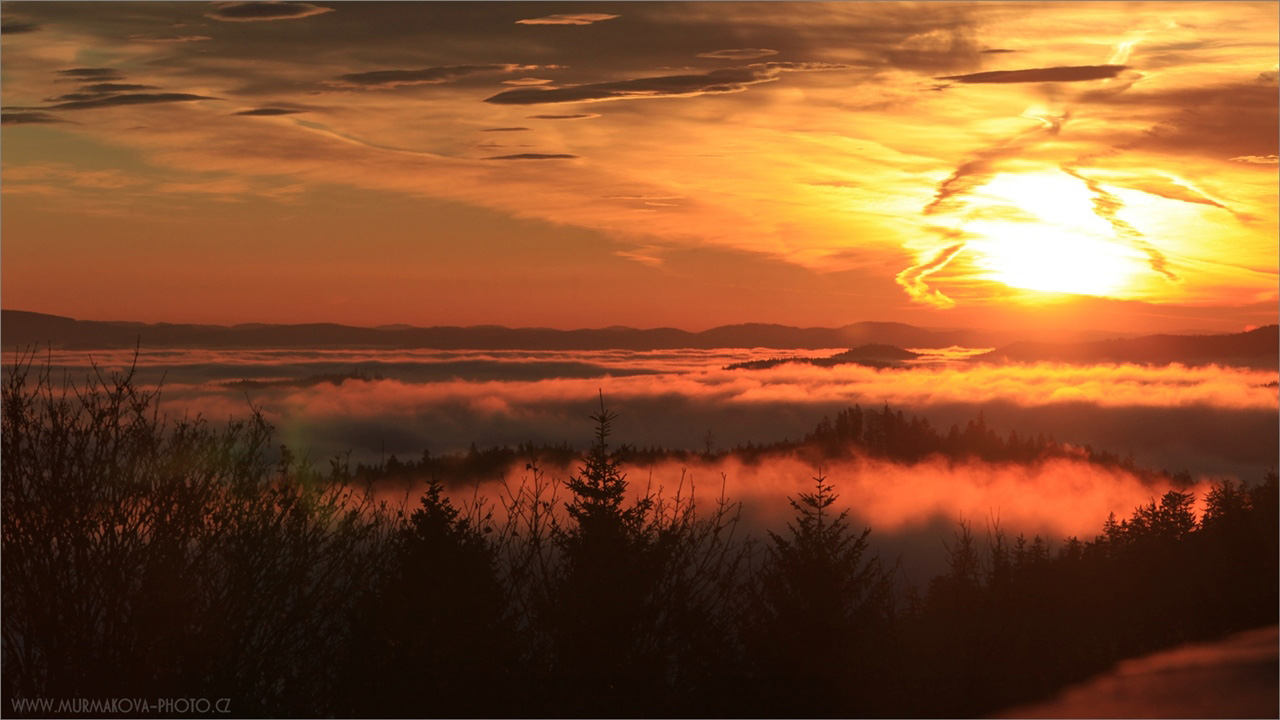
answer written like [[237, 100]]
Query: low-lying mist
[[1203, 420], [912, 508]]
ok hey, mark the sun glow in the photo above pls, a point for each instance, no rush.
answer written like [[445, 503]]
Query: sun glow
[[1053, 260], [1039, 231]]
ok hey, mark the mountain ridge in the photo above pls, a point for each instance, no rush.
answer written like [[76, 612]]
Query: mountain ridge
[[20, 328]]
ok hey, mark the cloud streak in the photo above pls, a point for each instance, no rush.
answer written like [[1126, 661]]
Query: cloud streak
[[1107, 206], [727, 80], [1076, 73], [423, 76], [575, 116], [568, 19], [913, 278], [86, 73], [265, 11], [269, 112], [738, 54], [29, 118], [131, 99], [534, 156], [980, 166]]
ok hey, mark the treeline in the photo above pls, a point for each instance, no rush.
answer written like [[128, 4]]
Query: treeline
[[885, 433], [145, 559]]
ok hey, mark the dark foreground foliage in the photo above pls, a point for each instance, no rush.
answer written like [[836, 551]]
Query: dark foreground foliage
[[152, 558]]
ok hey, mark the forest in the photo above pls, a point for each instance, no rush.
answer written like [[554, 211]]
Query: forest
[[151, 556]]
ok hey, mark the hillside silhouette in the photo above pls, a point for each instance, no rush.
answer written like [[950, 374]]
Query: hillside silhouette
[[22, 328], [872, 355], [1259, 348]]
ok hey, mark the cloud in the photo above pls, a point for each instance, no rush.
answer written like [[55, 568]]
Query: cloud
[[527, 81], [1107, 206], [170, 38], [1170, 189], [424, 76], [1204, 419], [102, 74], [997, 51], [575, 116], [913, 278], [261, 11], [979, 167], [136, 99], [90, 92], [727, 80], [568, 19], [1257, 159], [534, 156], [1074, 73], [13, 27], [504, 129], [269, 112], [28, 118], [738, 54]]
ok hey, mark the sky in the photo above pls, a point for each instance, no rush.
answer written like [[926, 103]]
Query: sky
[[1002, 165]]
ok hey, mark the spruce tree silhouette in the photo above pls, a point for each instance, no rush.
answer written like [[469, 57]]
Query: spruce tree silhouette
[[602, 608], [821, 610], [437, 637]]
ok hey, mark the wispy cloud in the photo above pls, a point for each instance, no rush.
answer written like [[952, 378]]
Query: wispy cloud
[[738, 54], [269, 112], [132, 99], [534, 156], [979, 166], [1076, 73], [87, 73], [913, 278], [1257, 159], [29, 118], [263, 11], [1107, 206], [170, 38], [423, 76], [574, 116], [15, 27], [728, 80], [568, 19]]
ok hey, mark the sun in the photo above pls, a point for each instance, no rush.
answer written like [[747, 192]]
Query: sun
[[1053, 260], [1039, 232]]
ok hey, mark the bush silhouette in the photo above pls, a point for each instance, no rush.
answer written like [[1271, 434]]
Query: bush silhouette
[[144, 559]]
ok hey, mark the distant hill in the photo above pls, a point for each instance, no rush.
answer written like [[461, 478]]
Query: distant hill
[[1257, 348], [23, 329], [874, 355], [20, 328]]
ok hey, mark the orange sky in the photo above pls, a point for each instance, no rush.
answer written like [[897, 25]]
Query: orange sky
[[1089, 165]]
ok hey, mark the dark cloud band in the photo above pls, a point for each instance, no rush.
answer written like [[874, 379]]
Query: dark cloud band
[[120, 100], [9, 27], [727, 80], [534, 156], [28, 118], [268, 112], [101, 74], [568, 19], [260, 11], [1076, 73], [422, 76]]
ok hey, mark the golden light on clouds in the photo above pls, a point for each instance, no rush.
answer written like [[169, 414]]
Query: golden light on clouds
[[926, 159]]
